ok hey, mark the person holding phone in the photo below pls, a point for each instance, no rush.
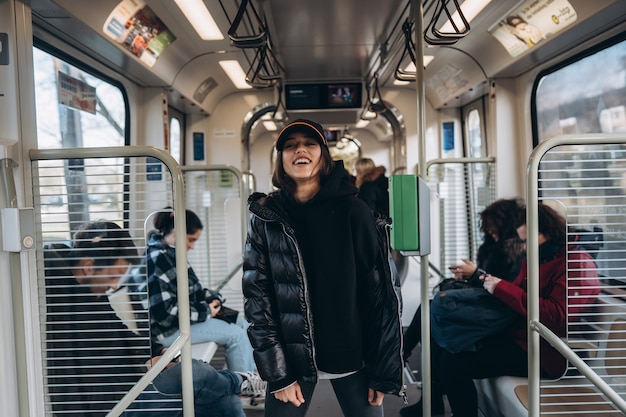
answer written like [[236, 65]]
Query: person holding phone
[[501, 253], [205, 305]]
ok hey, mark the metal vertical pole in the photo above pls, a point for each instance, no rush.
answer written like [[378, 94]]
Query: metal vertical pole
[[417, 15], [19, 319]]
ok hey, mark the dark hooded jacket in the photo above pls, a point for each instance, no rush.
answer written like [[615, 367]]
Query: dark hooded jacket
[[374, 190], [93, 358], [321, 290]]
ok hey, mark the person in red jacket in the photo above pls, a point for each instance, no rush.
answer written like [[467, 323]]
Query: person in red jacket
[[506, 353]]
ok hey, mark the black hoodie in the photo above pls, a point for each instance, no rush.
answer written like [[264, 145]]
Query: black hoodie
[[337, 252]]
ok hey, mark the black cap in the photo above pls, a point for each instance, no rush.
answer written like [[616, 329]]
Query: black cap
[[315, 130]]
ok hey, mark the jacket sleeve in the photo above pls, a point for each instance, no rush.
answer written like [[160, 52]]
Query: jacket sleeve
[[260, 299], [382, 330], [552, 294]]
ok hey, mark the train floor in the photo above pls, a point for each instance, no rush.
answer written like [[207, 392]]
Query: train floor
[[324, 403]]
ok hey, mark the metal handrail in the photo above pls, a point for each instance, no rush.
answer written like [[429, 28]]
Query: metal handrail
[[251, 41], [242, 191], [532, 198], [575, 360], [459, 160], [228, 277], [183, 342]]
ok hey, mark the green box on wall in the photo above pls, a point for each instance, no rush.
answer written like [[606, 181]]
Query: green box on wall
[[409, 208]]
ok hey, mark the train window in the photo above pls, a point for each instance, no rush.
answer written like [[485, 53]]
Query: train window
[[177, 129], [475, 141], [474, 135], [587, 96], [76, 109]]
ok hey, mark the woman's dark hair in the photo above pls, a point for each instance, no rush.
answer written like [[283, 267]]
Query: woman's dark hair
[[551, 224], [164, 221], [103, 241], [514, 20], [500, 217], [281, 180]]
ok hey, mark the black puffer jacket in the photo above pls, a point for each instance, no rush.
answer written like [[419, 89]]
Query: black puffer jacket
[[278, 304]]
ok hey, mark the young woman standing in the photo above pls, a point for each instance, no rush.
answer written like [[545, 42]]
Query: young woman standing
[[317, 299]]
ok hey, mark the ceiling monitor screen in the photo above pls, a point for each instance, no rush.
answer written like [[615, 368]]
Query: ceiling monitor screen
[[331, 135], [323, 96], [302, 96], [344, 96]]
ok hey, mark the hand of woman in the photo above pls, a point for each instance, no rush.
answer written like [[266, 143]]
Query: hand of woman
[[464, 270], [215, 307], [375, 398], [292, 394], [490, 282]]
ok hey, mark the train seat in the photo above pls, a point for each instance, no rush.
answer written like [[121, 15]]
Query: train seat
[[121, 302], [508, 395]]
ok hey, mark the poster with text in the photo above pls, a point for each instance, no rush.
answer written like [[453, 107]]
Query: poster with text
[[134, 26], [76, 94], [533, 22]]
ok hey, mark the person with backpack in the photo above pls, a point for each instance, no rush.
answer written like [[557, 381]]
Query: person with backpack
[[506, 352], [501, 254]]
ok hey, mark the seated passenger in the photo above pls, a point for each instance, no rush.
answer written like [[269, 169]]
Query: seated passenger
[[204, 304], [506, 353], [94, 359], [501, 254]]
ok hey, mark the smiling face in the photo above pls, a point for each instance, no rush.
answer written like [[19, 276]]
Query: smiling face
[[301, 157]]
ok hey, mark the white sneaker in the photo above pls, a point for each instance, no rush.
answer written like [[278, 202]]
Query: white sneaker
[[252, 386]]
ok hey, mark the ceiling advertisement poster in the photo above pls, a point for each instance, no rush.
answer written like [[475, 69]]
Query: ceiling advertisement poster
[[533, 22], [135, 27]]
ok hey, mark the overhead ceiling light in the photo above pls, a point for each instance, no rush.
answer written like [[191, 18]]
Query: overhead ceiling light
[[270, 125], [470, 9], [200, 18], [233, 69]]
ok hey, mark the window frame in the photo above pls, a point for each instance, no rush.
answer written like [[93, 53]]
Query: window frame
[[565, 63]]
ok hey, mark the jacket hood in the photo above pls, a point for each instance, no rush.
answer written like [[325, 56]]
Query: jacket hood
[[371, 175], [336, 185], [271, 206]]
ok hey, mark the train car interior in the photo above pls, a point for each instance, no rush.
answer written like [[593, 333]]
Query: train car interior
[[119, 109]]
